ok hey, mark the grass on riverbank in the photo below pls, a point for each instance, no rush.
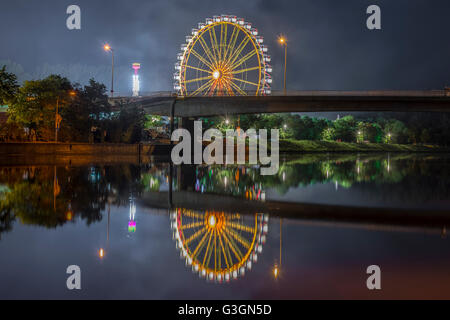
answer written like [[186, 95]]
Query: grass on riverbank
[[288, 145]]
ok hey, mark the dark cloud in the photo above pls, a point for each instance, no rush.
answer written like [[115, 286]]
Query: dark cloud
[[329, 45]]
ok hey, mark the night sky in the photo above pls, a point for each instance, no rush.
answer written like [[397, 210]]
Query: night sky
[[330, 47]]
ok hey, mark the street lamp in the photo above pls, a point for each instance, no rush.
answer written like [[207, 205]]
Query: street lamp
[[282, 40], [58, 117], [107, 47]]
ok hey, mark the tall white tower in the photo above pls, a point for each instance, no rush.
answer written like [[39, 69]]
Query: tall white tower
[[136, 66]]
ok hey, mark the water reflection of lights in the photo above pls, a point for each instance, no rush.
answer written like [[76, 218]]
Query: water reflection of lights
[[132, 222], [219, 246], [276, 271]]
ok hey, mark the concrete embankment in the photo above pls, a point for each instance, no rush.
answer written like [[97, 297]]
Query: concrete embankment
[[78, 153]]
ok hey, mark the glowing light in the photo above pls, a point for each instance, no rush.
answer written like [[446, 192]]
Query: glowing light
[[69, 215], [132, 226], [284, 126], [282, 40], [136, 85], [275, 272], [212, 221], [216, 74], [107, 47], [101, 253], [227, 121]]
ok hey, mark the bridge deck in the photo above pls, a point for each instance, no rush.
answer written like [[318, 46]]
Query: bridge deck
[[295, 101]]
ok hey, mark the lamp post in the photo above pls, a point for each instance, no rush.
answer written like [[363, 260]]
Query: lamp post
[[283, 42], [107, 47], [58, 117]]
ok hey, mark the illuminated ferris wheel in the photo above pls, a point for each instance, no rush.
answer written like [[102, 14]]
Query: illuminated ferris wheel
[[224, 56], [219, 246]]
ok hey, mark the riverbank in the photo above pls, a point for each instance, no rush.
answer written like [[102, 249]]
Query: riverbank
[[90, 149], [300, 146], [99, 150]]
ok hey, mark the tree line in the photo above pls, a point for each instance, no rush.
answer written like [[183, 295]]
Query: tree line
[[85, 115], [414, 128], [81, 113]]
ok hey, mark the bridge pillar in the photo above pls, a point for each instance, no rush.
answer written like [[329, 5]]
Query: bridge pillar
[[186, 172], [186, 177], [188, 124]]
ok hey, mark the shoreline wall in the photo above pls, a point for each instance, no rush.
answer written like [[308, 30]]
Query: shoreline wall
[[24, 148]]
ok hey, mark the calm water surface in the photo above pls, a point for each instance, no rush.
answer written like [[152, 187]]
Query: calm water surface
[[156, 231]]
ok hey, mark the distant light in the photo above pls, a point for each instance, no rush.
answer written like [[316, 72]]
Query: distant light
[[212, 221], [69, 215], [275, 272], [72, 93], [285, 126], [227, 121], [106, 47], [216, 74], [132, 226], [101, 253]]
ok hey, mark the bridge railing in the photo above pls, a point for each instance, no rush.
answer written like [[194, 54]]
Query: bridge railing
[[321, 93]]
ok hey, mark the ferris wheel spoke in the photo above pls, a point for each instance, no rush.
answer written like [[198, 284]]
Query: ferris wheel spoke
[[229, 89], [243, 59], [192, 225], [212, 88], [220, 43], [223, 40], [207, 51], [199, 57], [223, 251], [232, 43], [237, 88], [213, 38], [245, 81], [238, 51], [207, 247], [199, 246], [241, 227], [215, 251], [238, 238], [244, 70], [192, 214], [198, 79], [233, 246], [195, 236], [206, 86]]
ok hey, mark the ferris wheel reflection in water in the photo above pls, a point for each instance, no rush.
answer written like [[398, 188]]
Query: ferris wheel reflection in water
[[219, 246]]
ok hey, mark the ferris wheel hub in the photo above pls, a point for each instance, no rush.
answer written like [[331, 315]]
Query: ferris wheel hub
[[212, 221], [216, 74]]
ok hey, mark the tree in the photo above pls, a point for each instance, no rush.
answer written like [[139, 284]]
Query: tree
[[127, 125], [88, 109], [345, 128], [35, 104], [397, 131], [8, 86]]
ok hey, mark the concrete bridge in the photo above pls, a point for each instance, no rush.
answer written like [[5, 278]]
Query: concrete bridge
[[166, 104], [384, 219]]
